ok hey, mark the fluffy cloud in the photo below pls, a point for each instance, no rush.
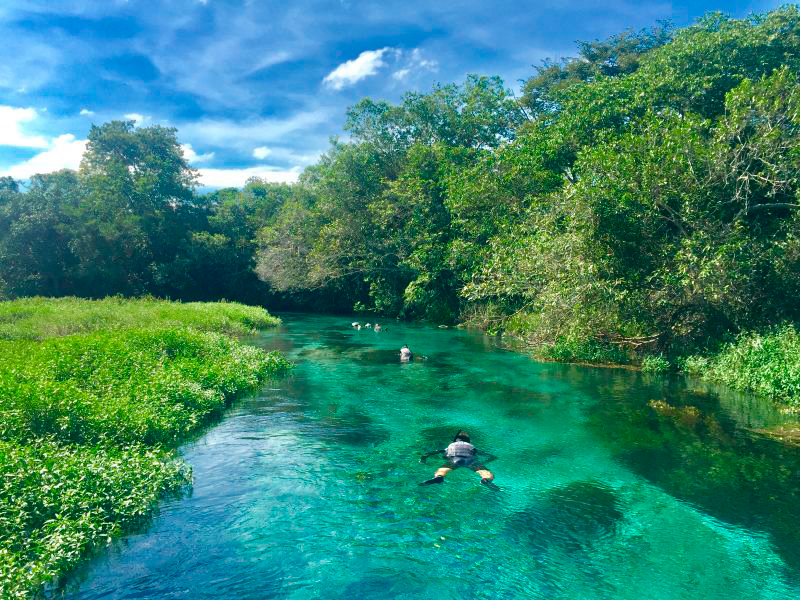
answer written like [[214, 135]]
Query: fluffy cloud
[[348, 73], [193, 157], [65, 152], [138, 119], [261, 152], [11, 133], [85, 112], [221, 178]]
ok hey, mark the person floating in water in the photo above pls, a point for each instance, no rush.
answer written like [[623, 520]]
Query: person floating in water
[[461, 453], [405, 354]]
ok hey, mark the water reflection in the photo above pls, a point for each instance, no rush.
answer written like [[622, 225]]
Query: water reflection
[[689, 445]]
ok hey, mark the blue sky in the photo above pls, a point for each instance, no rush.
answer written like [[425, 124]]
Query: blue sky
[[257, 87]]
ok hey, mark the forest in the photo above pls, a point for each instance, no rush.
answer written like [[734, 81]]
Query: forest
[[634, 204]]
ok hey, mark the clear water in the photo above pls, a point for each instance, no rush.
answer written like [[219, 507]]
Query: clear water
[[309, 490]]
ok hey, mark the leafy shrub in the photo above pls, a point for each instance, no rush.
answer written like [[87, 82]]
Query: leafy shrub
[[766, 363], [151, 387], [583, 350], [694, 365], [58, 502], [655, 363]]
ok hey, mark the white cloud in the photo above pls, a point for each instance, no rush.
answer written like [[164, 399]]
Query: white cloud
[[138, 119], [414, 64], [401, 74], [65, 152], [246, 134], [193, 157], [220, 178], [11, 133], [261, 152], [366, 64], [85, 112]]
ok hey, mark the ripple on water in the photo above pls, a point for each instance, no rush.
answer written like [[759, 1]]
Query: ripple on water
[[352, 428], [309, 490], [573, 516]]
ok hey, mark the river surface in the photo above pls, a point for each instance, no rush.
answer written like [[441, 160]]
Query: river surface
[[613, 484]]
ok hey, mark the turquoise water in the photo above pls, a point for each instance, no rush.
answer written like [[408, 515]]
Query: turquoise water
[[309, 489]]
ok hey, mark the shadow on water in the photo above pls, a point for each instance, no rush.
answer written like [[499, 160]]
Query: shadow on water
[[352, 428], [685, 443], [376, 356], [389, 585], [517, 402], [570, 517], [440, 436]]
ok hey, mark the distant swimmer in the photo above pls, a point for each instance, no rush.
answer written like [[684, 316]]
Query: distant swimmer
[[377, 327], [354, 324], [367, 325], [405, 354], [461, 453]]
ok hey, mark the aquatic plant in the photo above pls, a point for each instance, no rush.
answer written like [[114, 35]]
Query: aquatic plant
[[88, 420], [39, 318]]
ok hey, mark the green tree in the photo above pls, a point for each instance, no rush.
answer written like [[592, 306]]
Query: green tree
[[36, 230], [139, 201]]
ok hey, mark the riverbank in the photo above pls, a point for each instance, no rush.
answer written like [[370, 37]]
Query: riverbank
[[94, 397], [765, 363]]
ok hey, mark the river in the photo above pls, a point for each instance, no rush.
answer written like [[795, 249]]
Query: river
[[613, 484]]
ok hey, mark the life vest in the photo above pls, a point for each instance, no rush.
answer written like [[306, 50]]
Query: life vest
[[460, 449]]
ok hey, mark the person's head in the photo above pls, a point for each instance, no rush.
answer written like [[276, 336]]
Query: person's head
[[461, 435]]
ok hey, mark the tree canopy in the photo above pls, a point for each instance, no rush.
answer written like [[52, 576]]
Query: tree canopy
[[644, 193]]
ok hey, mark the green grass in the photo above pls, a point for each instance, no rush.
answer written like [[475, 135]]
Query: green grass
[[766, 363], [88, 420], [41, 318]]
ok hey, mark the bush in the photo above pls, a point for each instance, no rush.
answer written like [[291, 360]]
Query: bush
[[583, 350], [655, 363], [694, 365], [145, 386], [766, 363]]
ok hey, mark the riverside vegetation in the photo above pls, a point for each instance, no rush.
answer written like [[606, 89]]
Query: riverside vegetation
[[94, 397], [636, 204]]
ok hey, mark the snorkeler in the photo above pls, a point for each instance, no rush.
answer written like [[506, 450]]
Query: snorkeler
[[461, 453]]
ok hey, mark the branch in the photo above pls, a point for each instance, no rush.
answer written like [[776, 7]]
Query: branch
[[757, 207]]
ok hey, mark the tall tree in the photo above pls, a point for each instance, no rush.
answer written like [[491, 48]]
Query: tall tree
[[135, 213]]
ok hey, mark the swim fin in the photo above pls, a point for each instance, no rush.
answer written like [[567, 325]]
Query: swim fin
[[437, 479], [490, 484]]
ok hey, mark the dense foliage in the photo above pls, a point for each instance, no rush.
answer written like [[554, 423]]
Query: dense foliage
[[93, 397], [767, 363], [639, 199]]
